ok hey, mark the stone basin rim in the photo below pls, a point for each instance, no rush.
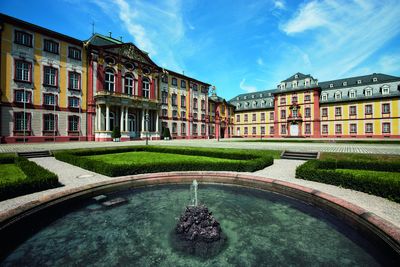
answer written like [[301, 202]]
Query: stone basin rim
[[368, 223]]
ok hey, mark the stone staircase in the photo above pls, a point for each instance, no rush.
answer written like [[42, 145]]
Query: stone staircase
[[299, 155], [35, 154]]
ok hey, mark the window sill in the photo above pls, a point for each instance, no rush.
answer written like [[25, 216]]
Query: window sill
[[22, 81], [23, 44], [49, 85], [21, 132], [75, 89], [78, 59]]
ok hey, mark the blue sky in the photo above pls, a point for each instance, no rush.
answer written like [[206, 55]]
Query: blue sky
[[238, 46]]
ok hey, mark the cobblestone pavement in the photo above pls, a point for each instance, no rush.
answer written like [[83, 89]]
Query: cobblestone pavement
[[314, 147]]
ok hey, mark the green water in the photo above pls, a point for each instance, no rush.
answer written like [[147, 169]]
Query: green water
[[263, 229]]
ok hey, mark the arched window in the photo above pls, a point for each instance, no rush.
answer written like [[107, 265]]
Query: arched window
[[131, 123], [109, 80], [146, 88], [128, 84]]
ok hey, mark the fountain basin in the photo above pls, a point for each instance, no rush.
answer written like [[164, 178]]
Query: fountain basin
[[378, 231]]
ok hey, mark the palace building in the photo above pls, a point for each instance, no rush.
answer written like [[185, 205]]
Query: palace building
[[57, 88], [365, 106]]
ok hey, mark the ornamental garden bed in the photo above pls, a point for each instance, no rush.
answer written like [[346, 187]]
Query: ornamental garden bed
[[19, 176], [147, 159], [374, 174]]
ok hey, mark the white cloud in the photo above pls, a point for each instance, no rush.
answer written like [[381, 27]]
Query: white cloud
[[260, 61], [247, 88], [279, 4], [341, 35]]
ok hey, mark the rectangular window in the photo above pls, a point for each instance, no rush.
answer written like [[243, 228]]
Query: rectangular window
[[262, 130], [353, 110], [174, 100], [183, 84], [308, 112], [23, 71], [194, 87], [195, 116], [353, 128], [325, 112], [203, 116], [175, 114], [294, 113], [23, 38], [283, 128], [128, 84], [183, 101], [237, 118], [75, 81], [294, 99], [271, 116], [183, 128], [21, 96], [73, 102], [254, 131], [246, 118], [386, 108], [49, 99], [271, 129], [203, 105], [73, 123], [368, 109], [174, 127], [203, 129], [254, 117], [174, 81], [368, 128], [338, 128], [50, 46], [195, 129], [338, 111], [283, 114], [183, 115], [165, 113], [246, 131], [307, 98], [386, 127], [22, 121], [195, 103], [74, 53], [222, 109], [324, 129], [164, 98], [50, 122], [283, 100], [50, 76], [308, 128], [262, 116]]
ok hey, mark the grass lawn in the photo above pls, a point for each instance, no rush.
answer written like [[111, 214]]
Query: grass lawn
[[382, 175], [144, 157], [356, 156], [10, 172]]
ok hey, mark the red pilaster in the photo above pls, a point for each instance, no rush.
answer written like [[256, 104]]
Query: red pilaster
[[317, 119], [90, 104], [152, 92], [140, 84], [100, 78], [118, 88]]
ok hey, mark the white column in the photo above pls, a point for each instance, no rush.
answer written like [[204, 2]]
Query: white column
[[121, 124], [143, 114], [126, 119], [107, 118], [98, 118], [157, 121]]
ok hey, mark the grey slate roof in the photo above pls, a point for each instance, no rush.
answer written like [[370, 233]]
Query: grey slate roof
[[101, 40], [353, 81], [253, 101], [300, 76]]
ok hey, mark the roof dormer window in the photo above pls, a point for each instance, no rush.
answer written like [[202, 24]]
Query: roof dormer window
[[252, 96], [338, 95], [344, 83], [359, 81], [331, 85], [324, 97], [294, 84], [296, 76], [385, 90], [368, 92], [260, 95], [254, 104], [237, 98], [374, 79], [245, 97], [352, 94]]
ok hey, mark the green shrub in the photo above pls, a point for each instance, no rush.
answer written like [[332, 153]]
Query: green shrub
[[7, 158], [324, 171], [360, 165], [166, 133], [245, 161], [116, 133], [37, 179]]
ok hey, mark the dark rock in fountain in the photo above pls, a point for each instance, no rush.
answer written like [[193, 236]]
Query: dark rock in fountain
[[199, 233]]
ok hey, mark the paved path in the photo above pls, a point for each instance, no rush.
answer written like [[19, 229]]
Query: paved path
[[72, 176], [226, 143]]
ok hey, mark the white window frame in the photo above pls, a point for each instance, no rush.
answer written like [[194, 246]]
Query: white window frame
[[49, 99], [128, 84], [109, 80], [50, 76], [324, 97], [146, 88], [23, 71], [385, 90]]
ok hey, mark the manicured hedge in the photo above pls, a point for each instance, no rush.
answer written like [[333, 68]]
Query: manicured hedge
[[246, 161], [380, 185], [37, 178]]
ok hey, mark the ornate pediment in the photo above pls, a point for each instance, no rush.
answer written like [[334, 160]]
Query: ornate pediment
[[131, 52]]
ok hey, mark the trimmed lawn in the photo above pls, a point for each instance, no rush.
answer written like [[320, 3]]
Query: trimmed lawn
[[11, 172], [143, 157], [360, 157], [382, 175]]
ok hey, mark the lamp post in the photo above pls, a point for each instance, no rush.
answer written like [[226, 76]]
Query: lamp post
[[24, 121], [146, 117]]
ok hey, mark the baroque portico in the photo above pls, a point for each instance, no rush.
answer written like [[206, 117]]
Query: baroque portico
[[122, 91]]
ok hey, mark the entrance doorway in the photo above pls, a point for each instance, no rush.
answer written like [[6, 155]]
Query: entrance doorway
[[294, 129]]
